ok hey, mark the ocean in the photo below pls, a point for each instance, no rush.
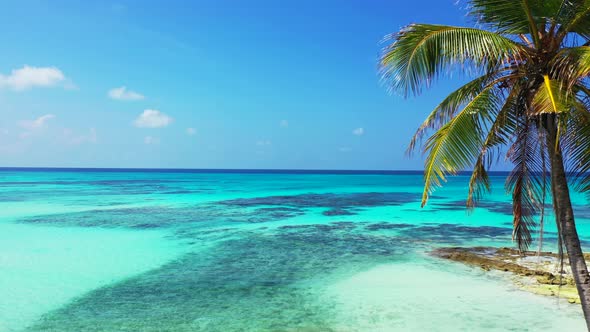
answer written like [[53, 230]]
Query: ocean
[[182, 250]]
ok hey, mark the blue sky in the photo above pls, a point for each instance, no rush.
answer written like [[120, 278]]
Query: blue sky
[[210, 84]]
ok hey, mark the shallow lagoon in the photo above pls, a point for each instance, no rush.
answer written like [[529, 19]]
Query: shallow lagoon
[[165, 251]]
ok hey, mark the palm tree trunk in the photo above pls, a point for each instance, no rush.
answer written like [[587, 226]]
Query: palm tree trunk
[[564, 215]]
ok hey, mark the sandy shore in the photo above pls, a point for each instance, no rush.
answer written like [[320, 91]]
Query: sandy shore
[[540, 273]]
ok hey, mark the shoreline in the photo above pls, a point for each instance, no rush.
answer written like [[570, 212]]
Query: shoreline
[[534, 272]]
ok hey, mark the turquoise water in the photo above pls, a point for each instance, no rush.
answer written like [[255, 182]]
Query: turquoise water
[[194, 251]]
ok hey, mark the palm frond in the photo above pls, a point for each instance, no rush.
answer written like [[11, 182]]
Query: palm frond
[[420, 53], [515, 16], [551, 97], [517, 91], [544, 189], [576, 145], [525, 182], [577, 19], [456, 144], [570, 65], [498, 135], [452, 103]]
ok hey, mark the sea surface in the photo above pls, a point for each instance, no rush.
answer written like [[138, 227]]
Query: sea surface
[[138, 250]]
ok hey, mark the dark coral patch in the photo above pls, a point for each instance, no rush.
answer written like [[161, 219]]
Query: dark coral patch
[[163, 216], [496, 207], [338, 212], [340, 225], [329, 200], [386, 225], [253, 281]]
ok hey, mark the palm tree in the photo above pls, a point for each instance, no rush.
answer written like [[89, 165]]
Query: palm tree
[[528, 93]]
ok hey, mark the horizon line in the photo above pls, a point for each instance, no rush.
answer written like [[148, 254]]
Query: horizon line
[[230, 170]]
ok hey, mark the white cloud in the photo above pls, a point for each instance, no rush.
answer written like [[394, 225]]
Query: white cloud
[[71, 138], [264, 143], [284, 123], [123, 94], [34, 127], [39, 122], [191, 131], [358, 131], [42, 120], [28, 77], [152, 119], [150, 140]]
